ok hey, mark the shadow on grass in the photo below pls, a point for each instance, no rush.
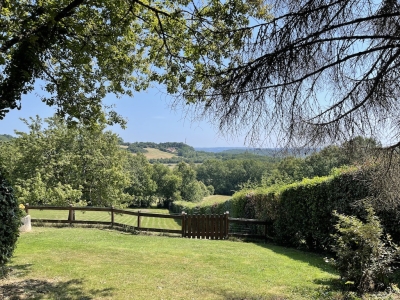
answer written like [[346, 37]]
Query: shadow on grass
[[329, 285], [47, 289], [311, 258], [230, 295]]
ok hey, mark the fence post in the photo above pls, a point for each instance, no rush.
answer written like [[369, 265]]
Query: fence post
[[138, 219], [70, 215], [27, 208], [112, 216], [183, 223], [227, 225]]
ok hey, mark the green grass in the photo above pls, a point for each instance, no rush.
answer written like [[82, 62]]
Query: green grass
[[82, 263], [153, 153], [206, 202], [147, 222], [215, 199]]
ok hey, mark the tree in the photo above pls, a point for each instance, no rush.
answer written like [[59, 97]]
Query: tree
[[318, 72], [62, 165], [142, 187], [191, 189], [83, 49], [168, 184]]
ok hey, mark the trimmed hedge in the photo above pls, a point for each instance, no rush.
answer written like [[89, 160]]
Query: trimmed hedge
[[10, 222], [302, 211]]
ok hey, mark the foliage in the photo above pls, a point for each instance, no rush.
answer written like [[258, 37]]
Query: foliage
[[228, 176], [141, 187], [318, 72], [302, 211], [167, 183], [191, 190], [209, 205], [178, 184], [62, 165], [83, 50], [364, 255], [10, 221], [5, 137]]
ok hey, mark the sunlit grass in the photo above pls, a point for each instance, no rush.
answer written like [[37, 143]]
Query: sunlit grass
[[147, 222], [153, 153], [79, 263]]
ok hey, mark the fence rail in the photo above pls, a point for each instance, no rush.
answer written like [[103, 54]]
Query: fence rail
[[192, 226]]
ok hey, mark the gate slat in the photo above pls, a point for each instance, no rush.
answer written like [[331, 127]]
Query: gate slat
[[221, 227], [202, 225], [189, 226]]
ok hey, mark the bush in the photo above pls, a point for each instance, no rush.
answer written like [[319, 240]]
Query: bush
[[363, 255], [9, 223]]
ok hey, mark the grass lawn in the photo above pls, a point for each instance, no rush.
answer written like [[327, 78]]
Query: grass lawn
[[147, 222], [89, 263], [215, 198]]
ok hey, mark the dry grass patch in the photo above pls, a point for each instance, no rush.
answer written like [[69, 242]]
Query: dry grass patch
[[153, 153]]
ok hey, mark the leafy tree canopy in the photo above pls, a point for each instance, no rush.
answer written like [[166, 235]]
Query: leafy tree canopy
[[80, 50], [58, 165]]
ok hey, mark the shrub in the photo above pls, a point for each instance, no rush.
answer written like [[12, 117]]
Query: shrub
[[9, 223], [363, 255]]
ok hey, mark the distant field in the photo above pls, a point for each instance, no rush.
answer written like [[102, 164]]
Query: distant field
[[155, 154], [123, 146], [215, 198]]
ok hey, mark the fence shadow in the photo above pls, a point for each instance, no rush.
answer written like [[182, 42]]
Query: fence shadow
[[313, 259], [45, 289]]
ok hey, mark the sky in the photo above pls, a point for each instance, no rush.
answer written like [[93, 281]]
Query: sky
[[150, 119]]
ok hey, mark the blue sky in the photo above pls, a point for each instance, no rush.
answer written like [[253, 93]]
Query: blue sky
[[150, 119]]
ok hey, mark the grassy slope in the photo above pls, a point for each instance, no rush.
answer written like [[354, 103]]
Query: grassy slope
[[78, 263], [153, 153]]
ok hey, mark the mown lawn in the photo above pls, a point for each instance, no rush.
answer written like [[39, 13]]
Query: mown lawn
[[147, 222], [89, 263]]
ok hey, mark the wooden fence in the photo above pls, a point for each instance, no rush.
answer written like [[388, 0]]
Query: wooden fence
[[192, 226]]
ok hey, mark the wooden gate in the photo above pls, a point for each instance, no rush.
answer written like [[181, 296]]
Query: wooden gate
[[213, 227]]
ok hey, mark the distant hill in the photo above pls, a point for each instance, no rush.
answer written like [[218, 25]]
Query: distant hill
[[6, 137], [171, 147], [240, 150]]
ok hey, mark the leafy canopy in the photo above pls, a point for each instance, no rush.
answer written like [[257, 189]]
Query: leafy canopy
[[59, 165], [81, 50]]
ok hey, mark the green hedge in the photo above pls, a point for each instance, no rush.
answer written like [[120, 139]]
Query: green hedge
[[10, 221], [302, 211]]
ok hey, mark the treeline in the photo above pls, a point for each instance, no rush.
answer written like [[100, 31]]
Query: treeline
[[228, 176], [5, 137], [186, 153], [56, 164], [59, 165]]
